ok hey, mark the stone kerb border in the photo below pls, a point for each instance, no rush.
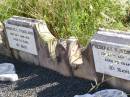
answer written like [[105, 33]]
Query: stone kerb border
[[63, 56]]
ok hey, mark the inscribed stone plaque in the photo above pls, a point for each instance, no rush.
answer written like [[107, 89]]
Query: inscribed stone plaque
[[21, 37], [111, 51]]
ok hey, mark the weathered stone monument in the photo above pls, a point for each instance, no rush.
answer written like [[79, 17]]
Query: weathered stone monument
[[21, 35], [111, 52], [29, 40]]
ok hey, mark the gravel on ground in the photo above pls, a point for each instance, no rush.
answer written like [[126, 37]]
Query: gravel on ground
[[36, 81]]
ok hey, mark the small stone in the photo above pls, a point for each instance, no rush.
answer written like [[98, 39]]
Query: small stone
[[7, 72]]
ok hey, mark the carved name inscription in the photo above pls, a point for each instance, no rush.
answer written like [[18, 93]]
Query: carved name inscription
[[21, 38], [111, 58]]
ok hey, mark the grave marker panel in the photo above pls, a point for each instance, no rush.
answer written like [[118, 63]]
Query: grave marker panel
[[111, 53], [21, 38]]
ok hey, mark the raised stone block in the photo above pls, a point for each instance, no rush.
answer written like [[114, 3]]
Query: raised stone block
[[30, 40], [7, 72], [111, 53], [21, 38]]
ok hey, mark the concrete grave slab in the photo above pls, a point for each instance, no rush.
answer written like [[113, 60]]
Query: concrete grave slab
[[111, 53]]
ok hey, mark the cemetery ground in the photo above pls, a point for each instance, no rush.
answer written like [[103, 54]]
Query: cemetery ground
[[64, 19], [35, 81]]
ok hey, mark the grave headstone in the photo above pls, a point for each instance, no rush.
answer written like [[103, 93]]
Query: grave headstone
[[30, 40], [21, 35], [111, 53]]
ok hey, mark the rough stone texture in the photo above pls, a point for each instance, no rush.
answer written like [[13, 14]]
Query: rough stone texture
[[48, 48], [74, 52], [86, 70]]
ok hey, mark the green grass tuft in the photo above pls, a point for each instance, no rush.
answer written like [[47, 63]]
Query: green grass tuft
[[65, 18]]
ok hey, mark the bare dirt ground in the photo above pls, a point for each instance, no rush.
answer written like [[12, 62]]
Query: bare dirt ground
[[35, 81]]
